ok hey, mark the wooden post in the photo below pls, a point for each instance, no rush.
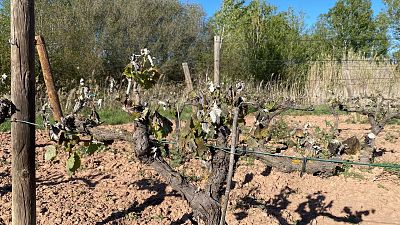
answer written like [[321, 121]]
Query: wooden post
[[346, 73], [234, 139], [217, 48], [48, 78], [188, 78], [23, 97], [347, 77]]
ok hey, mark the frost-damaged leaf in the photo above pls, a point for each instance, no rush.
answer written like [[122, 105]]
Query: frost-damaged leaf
[[73, 163], [211, 87], [215, 114], [205, 127], [51, 153], [7, 108], [201, 147]]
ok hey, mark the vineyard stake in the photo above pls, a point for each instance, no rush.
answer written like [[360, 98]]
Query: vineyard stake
[[23, 97], [231, 165], [48, 78], [188, 78], [217, 49]]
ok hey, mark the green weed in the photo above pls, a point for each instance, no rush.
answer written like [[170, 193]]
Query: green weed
[[114, 116]]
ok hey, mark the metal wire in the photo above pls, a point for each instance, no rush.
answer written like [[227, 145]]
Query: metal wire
[[241, 151], [26, 122]]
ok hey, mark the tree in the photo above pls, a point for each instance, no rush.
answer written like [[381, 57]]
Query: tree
[[393, 12], [5, 31], [258, 41], [350, 25], [95, 38]]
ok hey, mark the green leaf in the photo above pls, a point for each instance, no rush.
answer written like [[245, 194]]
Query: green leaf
[[160, 126], [262, 133], [92, 148], [269, 106], [73, 163], [51, 153]]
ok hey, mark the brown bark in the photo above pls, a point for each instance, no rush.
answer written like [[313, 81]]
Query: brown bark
[[202, 203], [23, 97], [219, 170], [48, 78], [232, 163], [292, 165], [106, 135]]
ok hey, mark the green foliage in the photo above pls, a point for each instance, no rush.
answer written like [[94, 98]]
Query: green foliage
[[5, 60], [393, 12], [93, 38], [51, 153], [5, 127], [146, 78], [142, 70], [91, 148], [280, 129], [325, 136], [177, 158], [160, 126], [350, 172], [73, 163], [351, 26], [112, 116], [257, 39]]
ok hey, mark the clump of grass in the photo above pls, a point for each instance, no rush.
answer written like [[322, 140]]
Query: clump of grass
[[348, 172], [112, 116], [317, 110], [280, 129], [170, 114], [5, 127]]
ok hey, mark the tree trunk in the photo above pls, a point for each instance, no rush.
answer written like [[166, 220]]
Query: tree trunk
[[23, 97]]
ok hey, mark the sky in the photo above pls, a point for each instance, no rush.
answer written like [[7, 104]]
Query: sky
[[311, 8]]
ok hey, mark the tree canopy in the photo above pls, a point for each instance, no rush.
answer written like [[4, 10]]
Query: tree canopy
[[351, 26], [95, 38]]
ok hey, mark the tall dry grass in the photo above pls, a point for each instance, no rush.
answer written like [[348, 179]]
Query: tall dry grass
[[358, 76], [326, 79]]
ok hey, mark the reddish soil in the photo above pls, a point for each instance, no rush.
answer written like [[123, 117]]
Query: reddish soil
[[112, 187]]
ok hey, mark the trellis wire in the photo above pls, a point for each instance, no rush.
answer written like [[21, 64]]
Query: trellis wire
[[241, 151]]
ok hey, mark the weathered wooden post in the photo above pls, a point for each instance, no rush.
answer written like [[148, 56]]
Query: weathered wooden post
[[188, 78], [48, 78], [23, 96], [217, 48], [346, 73]]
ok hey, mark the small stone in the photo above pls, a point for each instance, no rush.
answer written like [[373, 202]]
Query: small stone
[[43, 210]]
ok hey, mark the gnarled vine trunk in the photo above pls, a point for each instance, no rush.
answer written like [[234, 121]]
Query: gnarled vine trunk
[[205, 204]]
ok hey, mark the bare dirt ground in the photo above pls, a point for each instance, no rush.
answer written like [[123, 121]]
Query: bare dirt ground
[[112, 187]]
